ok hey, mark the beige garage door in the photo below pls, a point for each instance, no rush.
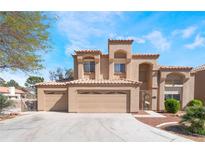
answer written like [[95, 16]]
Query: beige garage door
[[56, 101], [102, 103]]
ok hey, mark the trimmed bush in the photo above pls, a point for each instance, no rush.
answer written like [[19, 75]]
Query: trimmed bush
[[194, 119], [195, 102], [172, 105]]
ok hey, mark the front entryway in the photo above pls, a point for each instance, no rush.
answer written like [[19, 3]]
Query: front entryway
[[145, 100]]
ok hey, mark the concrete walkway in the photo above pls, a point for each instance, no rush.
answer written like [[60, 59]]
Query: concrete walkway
[[53, 126], [151, 114]]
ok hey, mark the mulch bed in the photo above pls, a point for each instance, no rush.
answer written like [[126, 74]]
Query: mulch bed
[[156, 121]]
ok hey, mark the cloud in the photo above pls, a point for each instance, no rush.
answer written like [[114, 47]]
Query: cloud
[[81, 28], [158, 40], [138, 40], [198, 42], [185, 33]]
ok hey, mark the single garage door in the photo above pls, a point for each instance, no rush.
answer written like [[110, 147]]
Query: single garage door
[[103, 102], [56, 101]]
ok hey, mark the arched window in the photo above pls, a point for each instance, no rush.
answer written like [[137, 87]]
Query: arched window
[[174, 86], [174, 79]]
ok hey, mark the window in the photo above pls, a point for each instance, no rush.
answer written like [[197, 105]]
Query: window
[[175, 96], [89, 66], [119, 68]]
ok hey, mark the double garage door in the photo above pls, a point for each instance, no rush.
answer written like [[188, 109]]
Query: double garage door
[[89, 101], [102, 101]]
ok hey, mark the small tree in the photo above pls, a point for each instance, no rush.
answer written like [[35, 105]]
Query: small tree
[[4, 102], [2, 82], [23, 35], [32, 80], [61, 74], [13, 83], [194, 119]]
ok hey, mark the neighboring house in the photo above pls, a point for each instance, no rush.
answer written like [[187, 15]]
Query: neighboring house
[[117, 82], [12, 93], [199, 92]]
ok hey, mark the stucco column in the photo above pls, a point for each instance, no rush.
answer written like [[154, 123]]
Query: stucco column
[[80, 67], [161, 94], [128, 69], [154, 89], [111, 69], [40, 98], [134, 99], [187, 91], [97, 67], [72, 102]]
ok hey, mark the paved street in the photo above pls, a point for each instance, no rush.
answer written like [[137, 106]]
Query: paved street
[[53, 126]]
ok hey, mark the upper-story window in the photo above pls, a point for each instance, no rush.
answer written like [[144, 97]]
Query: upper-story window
[[89, 66], [119, 68]]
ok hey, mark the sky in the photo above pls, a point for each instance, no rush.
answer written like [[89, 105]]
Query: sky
[[179, 37]]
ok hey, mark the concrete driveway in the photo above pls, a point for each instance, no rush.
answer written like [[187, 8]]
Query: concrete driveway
[[53, 126]]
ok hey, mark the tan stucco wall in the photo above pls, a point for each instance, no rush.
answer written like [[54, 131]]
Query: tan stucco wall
[[200, 85], [104, 68]]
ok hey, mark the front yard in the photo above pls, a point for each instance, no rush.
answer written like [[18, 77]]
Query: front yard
[[170, 123]]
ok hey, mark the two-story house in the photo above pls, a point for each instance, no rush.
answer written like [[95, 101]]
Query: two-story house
[[117, 82]]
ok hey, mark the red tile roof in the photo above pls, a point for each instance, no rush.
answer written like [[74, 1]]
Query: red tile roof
[[51, 83], [198, 69], [6, 90], [120, 41], [88, 51], [87, 81], [146, 56], [175, 68]]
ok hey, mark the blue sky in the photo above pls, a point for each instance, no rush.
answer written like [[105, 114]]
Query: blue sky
[[179, 37]]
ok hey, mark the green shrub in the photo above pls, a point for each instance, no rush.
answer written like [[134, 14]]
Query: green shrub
[[172, 105], [4, 102], [195, 102], [194, 119]]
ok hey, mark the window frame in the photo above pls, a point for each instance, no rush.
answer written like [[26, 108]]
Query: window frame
[[119, 68], [90, 66]]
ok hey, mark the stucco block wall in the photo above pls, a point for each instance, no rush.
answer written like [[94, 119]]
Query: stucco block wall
[[200, 85]]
